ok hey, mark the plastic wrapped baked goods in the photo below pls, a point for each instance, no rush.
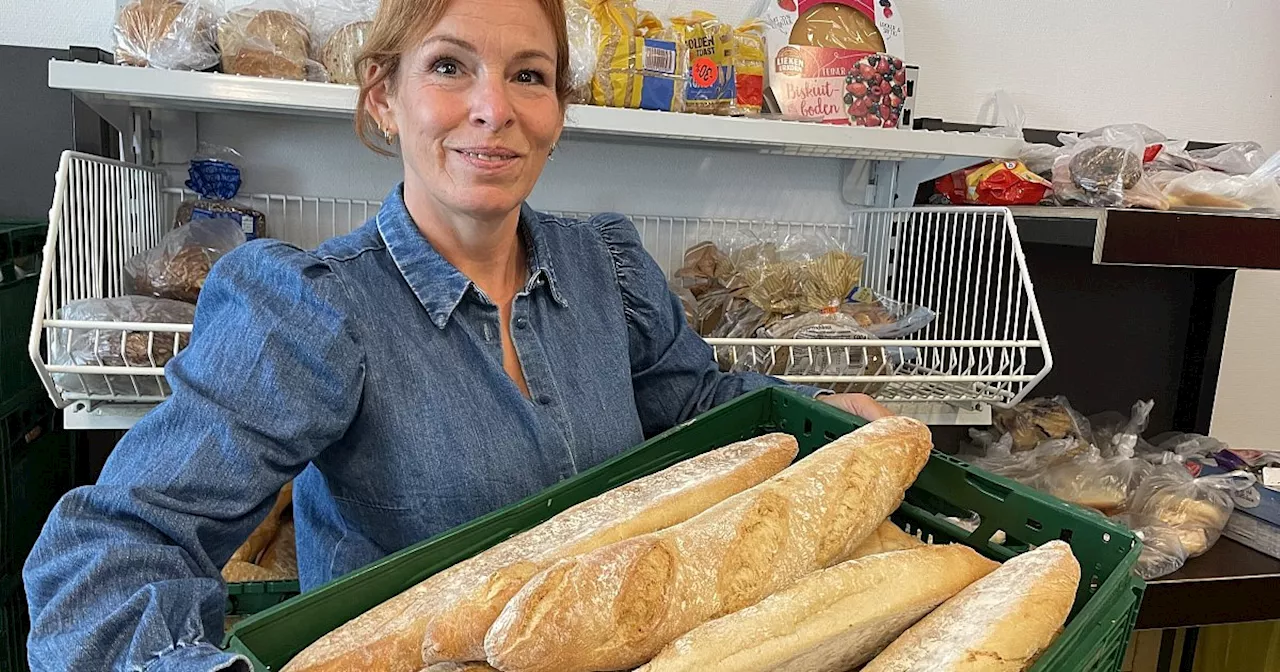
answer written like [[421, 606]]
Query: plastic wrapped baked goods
[[215, 177], [709, 78], [169, 34], [1259, 190], [705, 268], [1104, 169], [1196, 508], [1037, 420], [1162, 551], [1105, 484], [884, 317], [339, 31], [631, 71], [268, 38], [748, 69], [112, 347], [177, 267], [818, 360], [584, 36]]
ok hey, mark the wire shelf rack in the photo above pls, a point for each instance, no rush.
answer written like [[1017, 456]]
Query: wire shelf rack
[[986, 344]]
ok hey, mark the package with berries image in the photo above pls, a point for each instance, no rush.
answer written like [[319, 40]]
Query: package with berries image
[[838, 61]]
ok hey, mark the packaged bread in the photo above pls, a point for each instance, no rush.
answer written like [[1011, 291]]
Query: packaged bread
[[616, 607], [178, 265], [709, 79], [119, 347], [267, 38], [445, 617], [1000, 623], [168, 34], [832, 620], [645, 72], [1196, 509], [748, 69], [339, 31]]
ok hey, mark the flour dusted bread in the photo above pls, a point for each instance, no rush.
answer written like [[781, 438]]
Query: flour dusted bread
[[1001, 623], [445, 617], [460, 667], [617, 607], [832, 620], [888, 537]]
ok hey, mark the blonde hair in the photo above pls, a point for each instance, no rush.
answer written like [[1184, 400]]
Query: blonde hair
[[399, 25]]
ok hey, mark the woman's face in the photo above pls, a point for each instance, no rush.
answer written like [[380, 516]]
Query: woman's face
[[475, 107]]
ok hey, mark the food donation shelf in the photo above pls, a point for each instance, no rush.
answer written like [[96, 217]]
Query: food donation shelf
[[1093, 640]]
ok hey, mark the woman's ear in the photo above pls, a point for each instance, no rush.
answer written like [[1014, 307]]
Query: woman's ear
[[380, 99]]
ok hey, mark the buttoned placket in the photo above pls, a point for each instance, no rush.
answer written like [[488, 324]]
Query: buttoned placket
[[538, 376]]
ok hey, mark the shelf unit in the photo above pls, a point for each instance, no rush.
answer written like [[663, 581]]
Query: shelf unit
[[950, 374]]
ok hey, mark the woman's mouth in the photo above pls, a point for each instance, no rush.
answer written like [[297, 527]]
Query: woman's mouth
[[488, 159]]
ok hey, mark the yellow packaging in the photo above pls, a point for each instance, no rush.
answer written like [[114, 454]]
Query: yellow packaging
[[710, 84], [632, 70], [748, 69]]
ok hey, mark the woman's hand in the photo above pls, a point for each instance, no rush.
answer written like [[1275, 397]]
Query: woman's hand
[[858, 404]]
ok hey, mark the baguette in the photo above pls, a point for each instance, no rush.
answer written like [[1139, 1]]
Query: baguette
[[460, 667], [616, 607], [1001, 623], [445, 617], [832, 620], [888, 537]]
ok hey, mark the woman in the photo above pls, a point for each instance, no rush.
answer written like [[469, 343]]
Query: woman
[[457, 353]]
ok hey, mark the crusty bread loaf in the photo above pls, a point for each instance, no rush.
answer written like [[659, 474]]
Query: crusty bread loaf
[[448, 614], [264, 43], [832, 620], [460, 667], [342, 50], [1001, 623], [616, 607], [888, 537]]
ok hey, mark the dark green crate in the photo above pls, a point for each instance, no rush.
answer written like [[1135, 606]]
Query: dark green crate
[[1093, 640], [251, 597], [37, 466], [14, 625]]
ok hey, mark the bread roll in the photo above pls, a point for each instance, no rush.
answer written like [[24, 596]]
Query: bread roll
[[265, 533], [342, 51], [264, 43], [832, 620], [239, 571], [142, 24], [616, 607], [448, 614], [888, 537], [1001, 623]]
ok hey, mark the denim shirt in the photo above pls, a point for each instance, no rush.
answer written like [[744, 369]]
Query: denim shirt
[[369, 370]]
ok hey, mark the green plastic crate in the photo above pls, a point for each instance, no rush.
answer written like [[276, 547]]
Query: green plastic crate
[[37, 466], [251, 597], [13, 625], [1093, 640]]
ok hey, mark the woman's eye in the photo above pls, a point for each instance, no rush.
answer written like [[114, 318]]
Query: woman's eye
[[530, 77], [446, 66]]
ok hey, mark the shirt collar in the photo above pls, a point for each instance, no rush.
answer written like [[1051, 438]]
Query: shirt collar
[[438, 284]]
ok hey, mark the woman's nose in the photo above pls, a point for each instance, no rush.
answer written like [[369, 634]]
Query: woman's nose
[[490, 105]]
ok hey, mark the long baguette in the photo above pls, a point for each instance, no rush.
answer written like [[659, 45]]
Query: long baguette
[[616, 607], [1001, 623], [832, 620], [888, 537], [451, 611]]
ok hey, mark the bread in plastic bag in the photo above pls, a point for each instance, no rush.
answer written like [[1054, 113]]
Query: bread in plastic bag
[[1196, 508], [1233, 158], [633, 71], [268, 38], [339, 29], [168, 34], [884, 317], [1259, 190], [1106, 484], [1162, 550], [818, 360], [709, 77], [1104, 169], [177, 267], [1035, 421], [1114, 433], [115, 347], [214, 175], [748, 69], [584, 37]]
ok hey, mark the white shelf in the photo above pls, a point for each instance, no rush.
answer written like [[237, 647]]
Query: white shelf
[[102, 84]]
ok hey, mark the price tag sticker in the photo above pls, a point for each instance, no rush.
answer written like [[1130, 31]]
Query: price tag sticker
[[705, 71]]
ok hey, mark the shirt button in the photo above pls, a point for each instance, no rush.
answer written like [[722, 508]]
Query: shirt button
[[544, 399], [521, 323]]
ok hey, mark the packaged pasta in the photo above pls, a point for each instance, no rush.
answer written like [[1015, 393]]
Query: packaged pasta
[[710, 82], [748, 69]]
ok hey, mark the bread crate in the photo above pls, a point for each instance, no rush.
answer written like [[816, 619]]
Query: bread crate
[[1094, 639], [37, 466]]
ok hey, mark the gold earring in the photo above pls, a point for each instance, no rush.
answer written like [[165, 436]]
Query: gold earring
[[386, 135]]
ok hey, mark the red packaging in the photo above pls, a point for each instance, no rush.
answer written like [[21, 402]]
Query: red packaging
[[994, 183]]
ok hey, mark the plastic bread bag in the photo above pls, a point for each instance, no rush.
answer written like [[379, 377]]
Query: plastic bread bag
[[339, 29], [1104, 169], [1196, 508], [215, 177], [168, 34], [114, 347], [1259, 190], [1234, 158], [1114, 434], [996, 455], [884, 317], [1035, 421], [268, 38], [709, 77], [632, 71], [1039, 157], [1162, 550], [748, 69], [824, 274], [1106, 484], [1182, 447], [1003, 116], [178, 266], [818, 360], [584, 37], [706, 268]]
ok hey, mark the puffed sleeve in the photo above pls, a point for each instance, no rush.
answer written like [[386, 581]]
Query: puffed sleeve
[[673, 371], [126, 574]]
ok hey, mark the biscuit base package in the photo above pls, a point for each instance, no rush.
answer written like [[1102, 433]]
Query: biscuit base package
[[837, 61], [632, 70], [339, 30], [167, 34], [268, 38]]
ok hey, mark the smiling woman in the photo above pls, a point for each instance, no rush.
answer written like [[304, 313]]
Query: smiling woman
[[457, 353]]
